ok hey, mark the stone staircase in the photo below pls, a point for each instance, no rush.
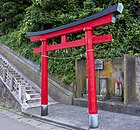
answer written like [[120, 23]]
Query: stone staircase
[[25, 91]]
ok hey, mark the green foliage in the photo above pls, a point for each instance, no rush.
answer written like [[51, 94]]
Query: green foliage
[[18, 17], [11, 13]]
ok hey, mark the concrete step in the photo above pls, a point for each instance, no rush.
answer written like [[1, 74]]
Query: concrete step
[[28, 88], [35, 104], [30, 91], [109, 105], [33, 100], [35, 95]]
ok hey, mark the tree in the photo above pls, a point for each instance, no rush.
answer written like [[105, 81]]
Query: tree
[[11, 13]]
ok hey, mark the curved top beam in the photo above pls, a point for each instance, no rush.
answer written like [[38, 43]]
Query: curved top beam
[[118, 8]]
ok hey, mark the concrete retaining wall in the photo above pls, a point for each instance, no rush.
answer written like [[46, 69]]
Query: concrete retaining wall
[[60, 94], [6, 98]]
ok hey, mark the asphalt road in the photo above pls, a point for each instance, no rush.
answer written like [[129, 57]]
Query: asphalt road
[[7, 123], [15, 121]]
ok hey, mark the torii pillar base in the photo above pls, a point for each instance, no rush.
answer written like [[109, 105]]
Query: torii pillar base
[[93, 121], [44, 110]]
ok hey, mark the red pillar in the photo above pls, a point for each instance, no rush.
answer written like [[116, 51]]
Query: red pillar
[[44, 79], [92, 101]]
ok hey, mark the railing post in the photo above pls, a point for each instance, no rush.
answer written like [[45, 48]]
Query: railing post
[[4, 74], [44, 79], [92, 101], [22, 97], [11, 83]]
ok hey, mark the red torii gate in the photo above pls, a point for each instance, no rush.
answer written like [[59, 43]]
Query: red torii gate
[[87, 25]]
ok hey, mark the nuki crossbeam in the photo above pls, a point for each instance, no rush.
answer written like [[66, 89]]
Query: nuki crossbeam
[[86, 25]]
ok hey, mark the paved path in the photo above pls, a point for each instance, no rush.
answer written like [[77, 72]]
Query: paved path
[[77, 117], [15, 121]]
